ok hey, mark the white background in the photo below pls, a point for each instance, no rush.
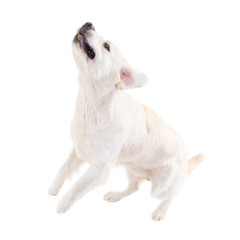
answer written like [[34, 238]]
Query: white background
[[190, 51]]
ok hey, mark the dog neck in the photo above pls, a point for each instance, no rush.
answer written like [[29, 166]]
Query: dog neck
[[94, 102]]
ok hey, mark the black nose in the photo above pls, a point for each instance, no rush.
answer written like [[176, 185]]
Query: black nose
[[86, 27]]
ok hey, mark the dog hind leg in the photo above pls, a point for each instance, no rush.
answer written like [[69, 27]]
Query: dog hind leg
[[161, 179], [133, 186]]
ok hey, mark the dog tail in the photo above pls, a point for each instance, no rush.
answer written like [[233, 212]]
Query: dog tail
[[194, 162]]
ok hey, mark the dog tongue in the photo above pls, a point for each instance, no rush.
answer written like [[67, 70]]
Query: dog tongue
[[79, 37]]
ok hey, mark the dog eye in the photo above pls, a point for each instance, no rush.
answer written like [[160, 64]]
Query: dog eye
[[106, 46]]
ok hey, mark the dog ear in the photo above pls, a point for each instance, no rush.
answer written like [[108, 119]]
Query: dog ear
[[130, 78]]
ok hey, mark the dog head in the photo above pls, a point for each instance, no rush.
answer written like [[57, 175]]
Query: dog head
[[101, 63]]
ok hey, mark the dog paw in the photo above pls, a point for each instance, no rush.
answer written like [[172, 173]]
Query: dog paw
[[64, 204], [53, 191], [158, 215], [62, 207], [113, 196]]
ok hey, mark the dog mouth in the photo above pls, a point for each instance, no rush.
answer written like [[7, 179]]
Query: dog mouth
[[81, 40]]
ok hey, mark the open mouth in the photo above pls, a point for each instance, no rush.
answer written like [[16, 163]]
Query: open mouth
[[82, 41]]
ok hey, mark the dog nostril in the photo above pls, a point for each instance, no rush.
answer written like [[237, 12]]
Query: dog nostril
[[86, 27], [89, 26]]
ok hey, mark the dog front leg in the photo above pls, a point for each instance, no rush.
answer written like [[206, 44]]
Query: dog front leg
[[93, 177], [69, 167]]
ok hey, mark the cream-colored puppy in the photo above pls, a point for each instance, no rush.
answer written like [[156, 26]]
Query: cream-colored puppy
[[109, 128]]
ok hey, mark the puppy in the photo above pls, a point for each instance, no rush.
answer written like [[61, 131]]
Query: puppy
[[109, 128]]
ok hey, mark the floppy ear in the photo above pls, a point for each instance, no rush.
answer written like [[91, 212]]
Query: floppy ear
[[130, 78]]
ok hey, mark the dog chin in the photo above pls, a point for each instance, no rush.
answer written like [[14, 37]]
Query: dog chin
[[79, 56]]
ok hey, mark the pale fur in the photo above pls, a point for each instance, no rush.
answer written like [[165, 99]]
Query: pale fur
[[110, 127]]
